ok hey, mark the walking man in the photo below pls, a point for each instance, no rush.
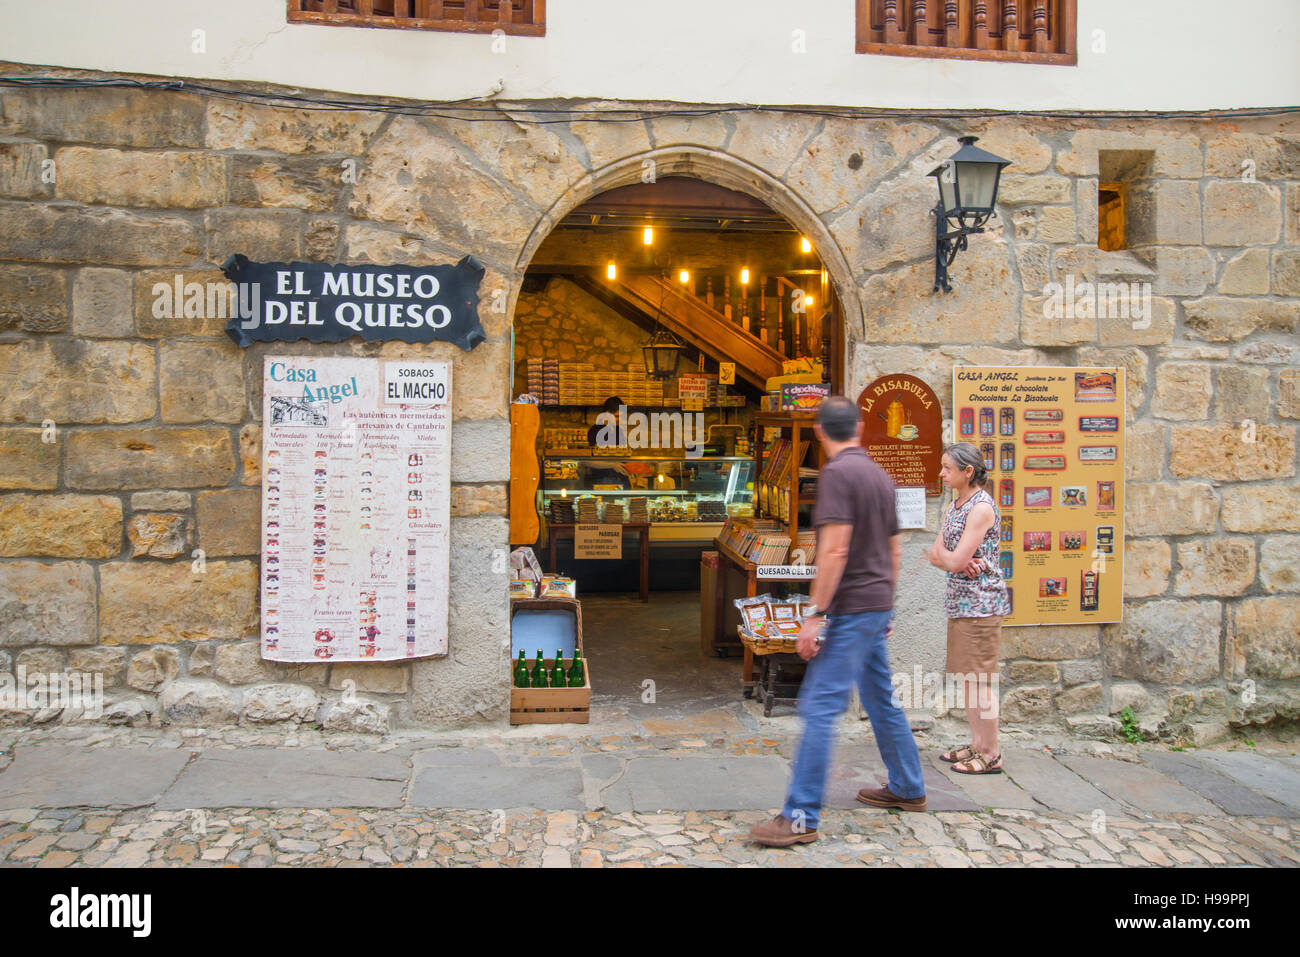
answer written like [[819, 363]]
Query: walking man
[[859, 552]]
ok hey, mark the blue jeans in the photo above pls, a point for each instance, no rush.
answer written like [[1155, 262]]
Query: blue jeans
[[854, 650]]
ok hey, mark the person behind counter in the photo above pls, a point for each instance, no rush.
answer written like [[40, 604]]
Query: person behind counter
[[605, 434]]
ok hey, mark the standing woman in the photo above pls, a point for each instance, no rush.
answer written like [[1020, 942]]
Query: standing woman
[[975, 600]]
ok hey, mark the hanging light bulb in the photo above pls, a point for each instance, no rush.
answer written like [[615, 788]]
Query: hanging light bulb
[[610, 271], [684, 276], [744, 275], [803, 242], [648, 236], [808, 300]]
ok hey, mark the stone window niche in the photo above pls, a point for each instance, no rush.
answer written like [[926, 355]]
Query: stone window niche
[[1126, 210]]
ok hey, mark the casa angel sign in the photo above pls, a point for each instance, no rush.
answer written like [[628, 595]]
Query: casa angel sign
[[283, 302]]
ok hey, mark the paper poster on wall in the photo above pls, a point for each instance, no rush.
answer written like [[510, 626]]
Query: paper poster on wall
[[1053, 441], [909, 504], [355, 508]]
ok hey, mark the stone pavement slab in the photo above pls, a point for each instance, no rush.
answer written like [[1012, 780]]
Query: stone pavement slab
[[704, 783], [479, 787], [1227, 793], [855, 767], [1139, 786], [53, 776], [1054, 784], [282, 777], [457, 757], [942, 794], [1274, 778], [1290, 760], [986, 790]]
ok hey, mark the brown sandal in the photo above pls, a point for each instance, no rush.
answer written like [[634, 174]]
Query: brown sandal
[[980, 764], [961, 753]]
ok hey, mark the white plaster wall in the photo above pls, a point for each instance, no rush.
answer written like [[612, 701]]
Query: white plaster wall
[[1159, 54]]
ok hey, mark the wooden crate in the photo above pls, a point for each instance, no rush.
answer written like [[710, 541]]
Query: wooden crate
[[551, 705]]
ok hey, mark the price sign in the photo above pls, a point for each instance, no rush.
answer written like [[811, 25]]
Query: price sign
[[598, 541], [808, 572]]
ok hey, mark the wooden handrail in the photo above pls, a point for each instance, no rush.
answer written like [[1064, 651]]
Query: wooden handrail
[[1022, 31]]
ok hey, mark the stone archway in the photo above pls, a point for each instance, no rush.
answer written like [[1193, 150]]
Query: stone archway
[[722, 169]]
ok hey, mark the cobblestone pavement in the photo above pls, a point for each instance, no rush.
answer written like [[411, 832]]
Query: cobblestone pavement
[[169, 803]]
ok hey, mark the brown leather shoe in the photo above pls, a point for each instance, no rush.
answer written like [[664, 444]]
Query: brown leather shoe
[[780, 832], [883, 797]]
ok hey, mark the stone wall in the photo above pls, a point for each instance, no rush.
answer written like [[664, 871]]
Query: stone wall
[[564, 322], [129, 444]]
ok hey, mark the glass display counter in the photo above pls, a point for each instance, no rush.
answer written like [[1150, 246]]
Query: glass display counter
[[684, 500]]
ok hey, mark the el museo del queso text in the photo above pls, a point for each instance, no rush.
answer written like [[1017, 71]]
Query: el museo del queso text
[[1031, 390], [245, 301]]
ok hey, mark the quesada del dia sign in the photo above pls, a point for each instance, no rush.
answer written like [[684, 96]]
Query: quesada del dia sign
[[329, 303]]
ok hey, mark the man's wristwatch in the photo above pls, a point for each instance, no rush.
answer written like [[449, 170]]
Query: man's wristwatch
[[812, 611]]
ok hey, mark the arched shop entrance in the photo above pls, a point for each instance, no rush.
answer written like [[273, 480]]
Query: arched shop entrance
[[743, 282]]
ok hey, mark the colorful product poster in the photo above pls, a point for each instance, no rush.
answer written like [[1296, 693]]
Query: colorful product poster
[[356, 500], [1053, 441]]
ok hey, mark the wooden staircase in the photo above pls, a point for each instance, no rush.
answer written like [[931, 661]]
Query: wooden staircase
[[691, 320]]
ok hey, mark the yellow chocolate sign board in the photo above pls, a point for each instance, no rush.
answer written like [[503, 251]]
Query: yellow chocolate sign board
[[1053, 441]]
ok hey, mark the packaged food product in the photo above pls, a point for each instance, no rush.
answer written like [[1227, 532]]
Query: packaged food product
[[783, 629], [784, 611], [755, 613], [558, 586], [522, 588]]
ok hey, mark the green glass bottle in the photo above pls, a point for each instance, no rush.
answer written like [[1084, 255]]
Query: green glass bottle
[[521, 671], [557, 671], [575, 670], [539, 671]]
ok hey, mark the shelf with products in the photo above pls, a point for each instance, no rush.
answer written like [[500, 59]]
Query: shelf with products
[[787, 470], [771, 535]]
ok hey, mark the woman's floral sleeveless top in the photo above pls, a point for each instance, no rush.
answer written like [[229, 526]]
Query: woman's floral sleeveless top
[[981, 597]]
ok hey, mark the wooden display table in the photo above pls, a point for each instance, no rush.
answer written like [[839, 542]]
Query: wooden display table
[[772, 656], [748, 678], [643, 529]]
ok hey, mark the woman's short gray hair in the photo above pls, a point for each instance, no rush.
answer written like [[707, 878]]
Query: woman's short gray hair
[[964, 456]]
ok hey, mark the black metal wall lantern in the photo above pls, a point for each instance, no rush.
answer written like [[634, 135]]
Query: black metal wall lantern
[[968, 191]]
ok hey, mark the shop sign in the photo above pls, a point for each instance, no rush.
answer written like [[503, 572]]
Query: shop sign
[[693, 390], [800, 572], [1062, 506], [329, 303], [598, 541], [903, 430], [356, 500]]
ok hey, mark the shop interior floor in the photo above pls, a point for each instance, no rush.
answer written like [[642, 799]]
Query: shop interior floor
[[646, 665]]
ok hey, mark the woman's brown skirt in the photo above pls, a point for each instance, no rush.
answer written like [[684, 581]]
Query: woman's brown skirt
[[973, 645]]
